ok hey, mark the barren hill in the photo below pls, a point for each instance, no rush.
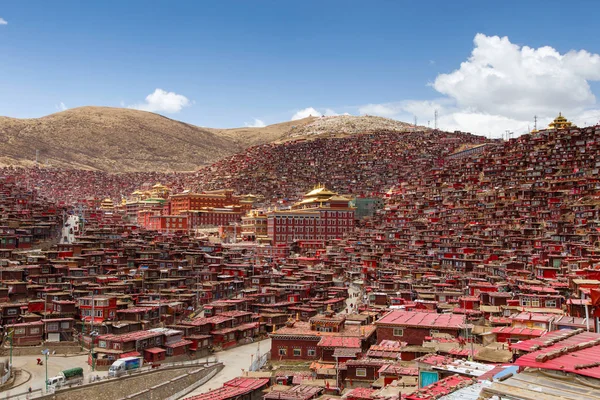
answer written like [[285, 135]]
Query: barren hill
[[254, 136], [126, 140], [313, 127], [343, 125], [110, 139]]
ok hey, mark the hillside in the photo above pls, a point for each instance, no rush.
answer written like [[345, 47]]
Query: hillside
[[110, 139], [314, 127], [353, 164], [343, 125], [246, 136], [126, 140]]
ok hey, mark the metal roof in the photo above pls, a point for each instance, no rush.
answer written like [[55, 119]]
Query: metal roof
[[577, 354], [422, 319]]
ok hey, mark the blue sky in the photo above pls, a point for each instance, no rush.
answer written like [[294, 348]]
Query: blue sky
[[230, 63]]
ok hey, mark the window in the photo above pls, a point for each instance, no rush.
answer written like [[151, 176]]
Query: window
[[311, 352], [297, 352], [19, 331], [34, 331], [282, 351], [398, 332], [102, 343], [433, 332], [52, 326], [361, 372], [551, 303], [535, 302], [11, 311]]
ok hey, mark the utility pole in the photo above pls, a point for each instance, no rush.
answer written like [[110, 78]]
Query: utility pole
[[46, 353], [435, 118], [535, 122], [93, 313], [10, 335]]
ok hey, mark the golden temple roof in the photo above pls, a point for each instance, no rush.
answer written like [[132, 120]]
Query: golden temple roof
[[320, 191], [560, 122]]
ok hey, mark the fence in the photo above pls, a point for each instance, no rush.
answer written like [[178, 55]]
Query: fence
[[259, 362], [6, 376]]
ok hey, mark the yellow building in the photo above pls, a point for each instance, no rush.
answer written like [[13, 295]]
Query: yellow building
[[107, 204], [560, 123]]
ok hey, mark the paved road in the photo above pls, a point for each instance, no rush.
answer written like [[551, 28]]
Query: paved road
[[234, 360], [55, 364]]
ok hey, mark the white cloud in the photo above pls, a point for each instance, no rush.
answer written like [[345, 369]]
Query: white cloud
[[3, 21], [61, 106], [256, 124], [307, 112], [163, 101], [502, 86]]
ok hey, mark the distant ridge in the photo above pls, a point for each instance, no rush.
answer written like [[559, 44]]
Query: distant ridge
[[110, 139], [126, 140]]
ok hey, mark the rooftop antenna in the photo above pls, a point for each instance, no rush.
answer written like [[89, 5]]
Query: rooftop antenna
[[435, 115], [535, 122]]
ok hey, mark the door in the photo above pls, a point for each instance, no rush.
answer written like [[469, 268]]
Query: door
[[426, 378], [54, 337]]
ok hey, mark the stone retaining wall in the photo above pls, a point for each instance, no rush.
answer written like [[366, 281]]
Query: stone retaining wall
[[165, 382], [61, 348]]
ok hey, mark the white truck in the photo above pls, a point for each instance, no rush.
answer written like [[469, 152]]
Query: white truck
[[125, 366], [68, 377]]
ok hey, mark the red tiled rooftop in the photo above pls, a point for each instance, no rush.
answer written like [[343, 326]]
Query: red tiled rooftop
[[422, 319], [577, 354], [518, 331], [130, 336], [339, 341], [441, 388]]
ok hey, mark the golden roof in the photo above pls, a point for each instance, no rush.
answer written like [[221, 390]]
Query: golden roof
[[320, 191], [560, 122]]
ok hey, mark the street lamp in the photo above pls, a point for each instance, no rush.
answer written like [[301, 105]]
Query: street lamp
[[10, 337], [46, 353], [92, 335]]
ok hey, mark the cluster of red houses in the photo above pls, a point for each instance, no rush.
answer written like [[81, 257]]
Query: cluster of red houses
[[480, 272]]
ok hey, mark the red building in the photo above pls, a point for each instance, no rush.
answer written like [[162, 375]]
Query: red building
[[188, 201], [214, 216], [321, 215], [165, 223], [413, 327], [100, 308]]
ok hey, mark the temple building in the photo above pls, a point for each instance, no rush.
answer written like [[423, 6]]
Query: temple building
[[560, 123], [320, 215]]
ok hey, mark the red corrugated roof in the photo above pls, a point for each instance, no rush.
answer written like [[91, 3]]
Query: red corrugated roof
[[422, 319], [232, 389], [507, 330], [577, 354], [339, 341], [440, 388], [155, 350]]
